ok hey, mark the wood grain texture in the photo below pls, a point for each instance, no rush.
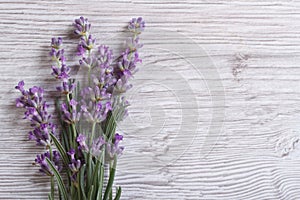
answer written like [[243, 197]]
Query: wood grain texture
[[178, 146]]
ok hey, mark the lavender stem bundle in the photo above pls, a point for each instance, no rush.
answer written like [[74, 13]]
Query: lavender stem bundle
[[81, 152]]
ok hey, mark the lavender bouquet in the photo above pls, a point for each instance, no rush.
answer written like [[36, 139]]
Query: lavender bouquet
[[81, 151]]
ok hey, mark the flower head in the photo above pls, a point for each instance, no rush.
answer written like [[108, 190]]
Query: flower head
[[70, 116], [97, 146], [60, 70], [56, 43], [41, 134], [81, 140], [75, 163], [105, 56], [95, 111], [137, 25], [113, 149], [41, 160], [37, 113], [82, 26], [66, 87]]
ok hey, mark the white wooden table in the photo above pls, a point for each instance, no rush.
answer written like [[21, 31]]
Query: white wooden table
[[215, 107]]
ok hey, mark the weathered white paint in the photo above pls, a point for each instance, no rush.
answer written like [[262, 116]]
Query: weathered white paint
[[254, 45]]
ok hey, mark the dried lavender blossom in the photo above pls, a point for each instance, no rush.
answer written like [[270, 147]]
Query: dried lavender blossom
[[37, 112], [44, 167], [88, 114], [114, 149], [60, 70]]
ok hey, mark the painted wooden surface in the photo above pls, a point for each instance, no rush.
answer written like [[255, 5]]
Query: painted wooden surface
[[215, 106]]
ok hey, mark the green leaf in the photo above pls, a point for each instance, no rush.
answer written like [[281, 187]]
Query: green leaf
[[111, 179], [50, 197], [95, 173], [81, 181], [118, 195], [110, 195], [90, 193], [61, 150], [89, 171], [59, 180], [101, 177], [52, 185], [64, 134]]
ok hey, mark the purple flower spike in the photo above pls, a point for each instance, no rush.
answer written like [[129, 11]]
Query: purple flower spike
[[114, 149], [82, 26], [20, 87], [41, 134], [70, 116], [89, 62], [95, 94], [118, 138], [133, 44], [37, 113], [75, 164], [56, 43], [81, 139], [97, 146], [41, 160], [60, 70], [95, 111], [105, 56], [122, 85], [137, 25], [66, 87]]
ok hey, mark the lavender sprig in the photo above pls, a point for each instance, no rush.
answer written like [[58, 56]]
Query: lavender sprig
[[93, 109], [60, 70], [37, 113], [44, 167]]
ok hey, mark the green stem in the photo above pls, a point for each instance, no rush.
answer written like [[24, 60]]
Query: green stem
[[89, 75], [102, 160], [89, 171], [74, 132], [93, 132], [74, 135], [52, 177], [90, 160], [78, 192], [111, 179]]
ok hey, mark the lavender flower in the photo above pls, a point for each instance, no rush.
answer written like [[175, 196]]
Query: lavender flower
[[86, 43], [60, 70], [122, 85], [89, 62], [71, 116], [41, 160], [95, 112], [41, 134], [74, 165], [133, 44], [66, 87], [37, 113], [81, 139], [101, 103], [56, 43], [114, 149], [105, 56], [126, 65], [95, 94], [82, 26], [97, 146], [136, 25]]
